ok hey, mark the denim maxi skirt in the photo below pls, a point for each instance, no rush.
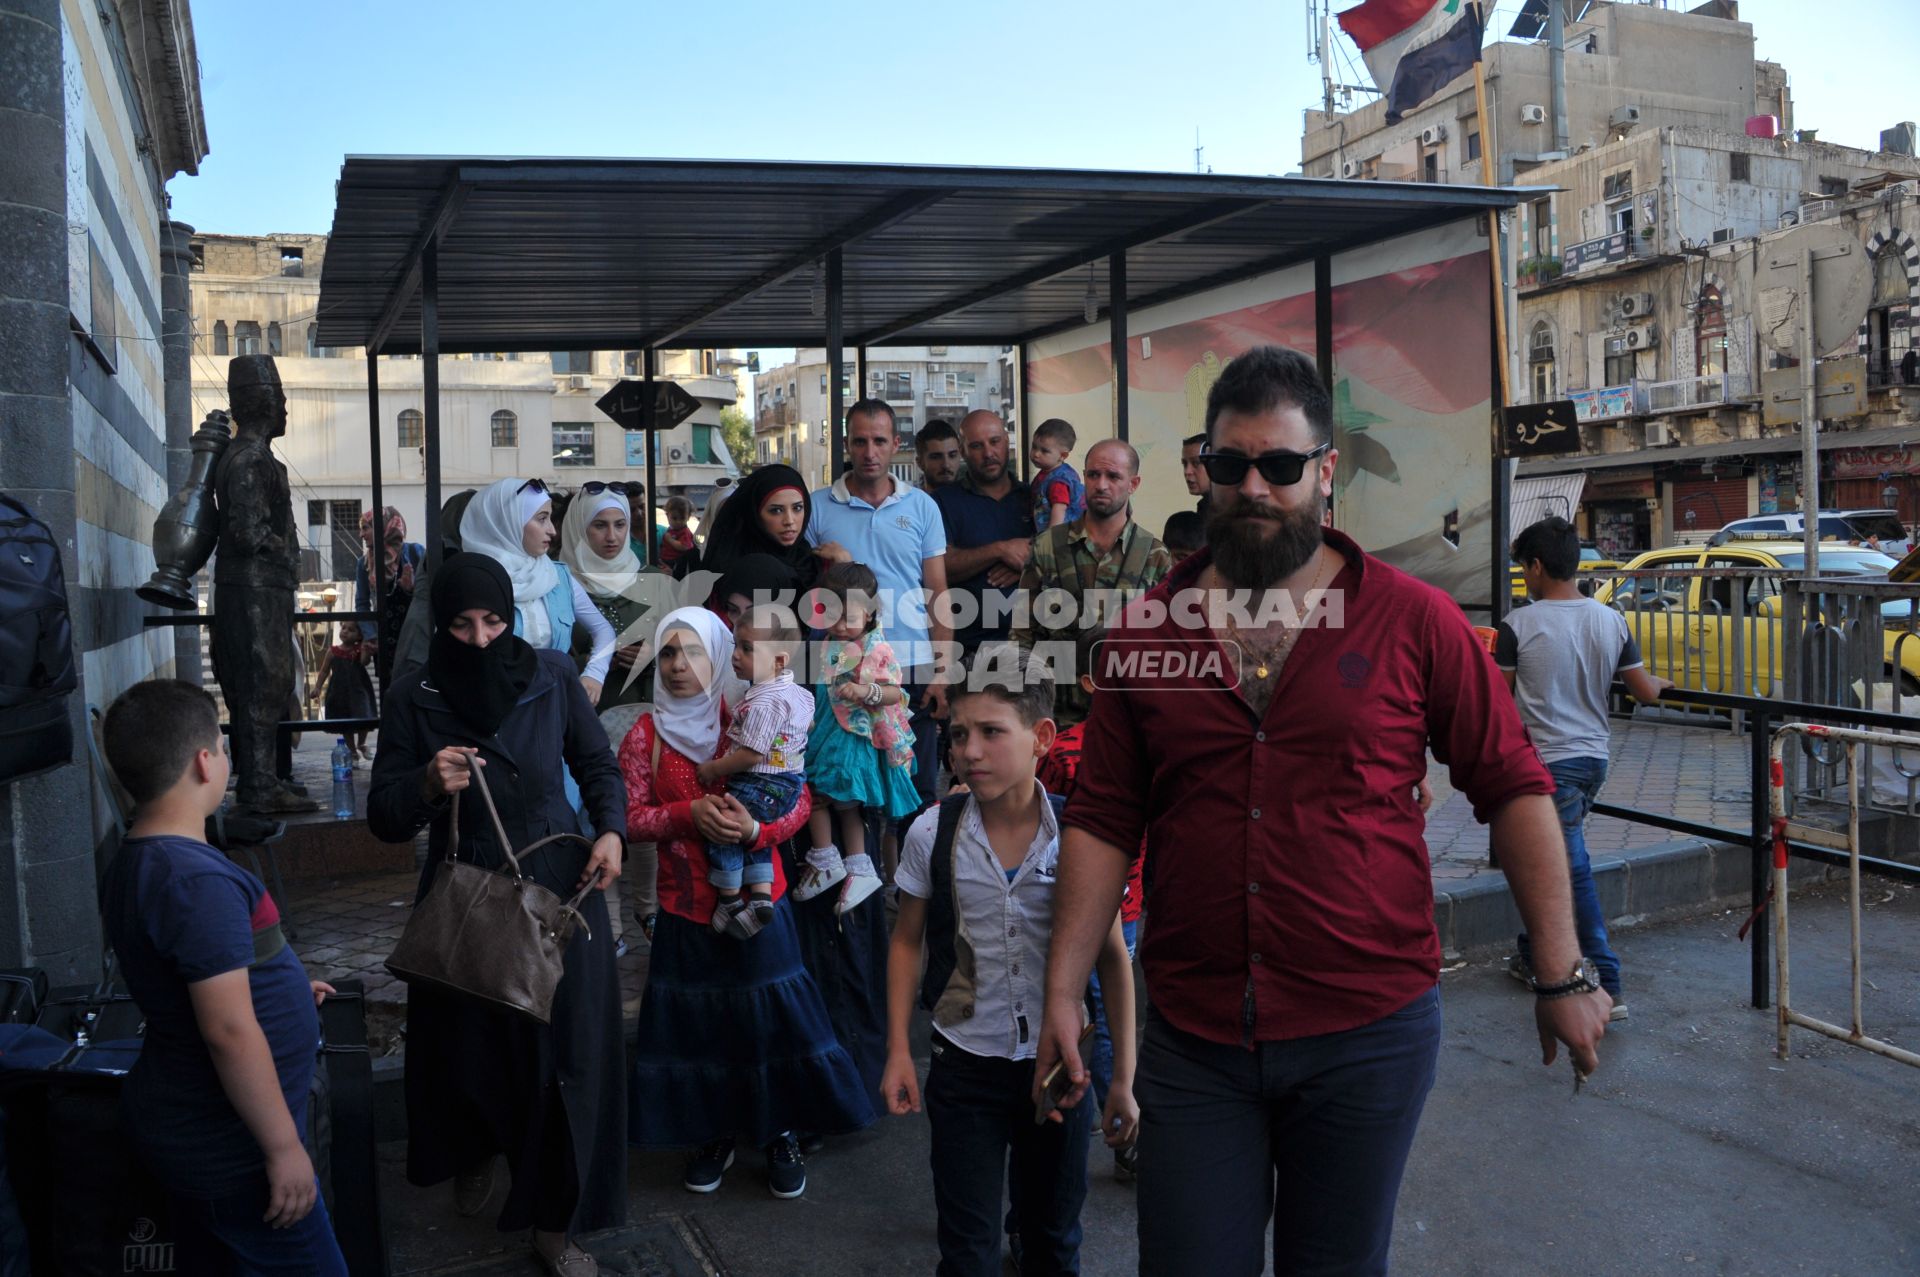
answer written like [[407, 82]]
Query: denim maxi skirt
[[734, 1040]]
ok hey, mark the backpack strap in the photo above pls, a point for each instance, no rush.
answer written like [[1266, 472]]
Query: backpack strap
[[941, 905]]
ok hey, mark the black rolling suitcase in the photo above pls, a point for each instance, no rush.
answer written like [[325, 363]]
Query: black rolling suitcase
[[352, 1163]]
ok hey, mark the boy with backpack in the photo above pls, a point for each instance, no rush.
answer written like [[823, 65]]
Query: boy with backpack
[[217, 1102], [976, 881]]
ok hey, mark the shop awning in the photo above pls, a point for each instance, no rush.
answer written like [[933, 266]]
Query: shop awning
[[1545, 496]]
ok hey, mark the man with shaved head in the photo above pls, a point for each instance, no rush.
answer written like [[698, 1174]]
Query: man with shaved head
[[989, 524], [1099, 560]]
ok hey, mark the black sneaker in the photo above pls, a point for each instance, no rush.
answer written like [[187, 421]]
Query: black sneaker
[[708, 1166], [1126, 1163], [810, 1142], [786, 1171]]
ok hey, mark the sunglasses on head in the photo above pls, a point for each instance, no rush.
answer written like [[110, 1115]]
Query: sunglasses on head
[[1281, 469], [595, 487], [531, 485]]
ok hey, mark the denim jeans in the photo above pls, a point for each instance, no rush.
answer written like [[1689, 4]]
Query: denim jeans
[[766, 796], [1100, 1058], [226, 1235], [1312, 1132], [981, 1112], [1577, 784]]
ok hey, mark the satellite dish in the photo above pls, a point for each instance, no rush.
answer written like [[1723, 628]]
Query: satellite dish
[[1842, 288]]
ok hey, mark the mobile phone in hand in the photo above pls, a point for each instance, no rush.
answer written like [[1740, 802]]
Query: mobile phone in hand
[[1058, 1082]]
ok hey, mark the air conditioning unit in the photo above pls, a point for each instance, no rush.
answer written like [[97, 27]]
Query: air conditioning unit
[[1641, 337], [1789, 218], [1349, 168], [1659, 434], [1533, 113], [1433, 135], [1636, 305], [1624, 117], [676, 454], [579, 381]]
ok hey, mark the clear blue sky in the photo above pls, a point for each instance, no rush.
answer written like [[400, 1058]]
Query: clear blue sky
[[290, 89]]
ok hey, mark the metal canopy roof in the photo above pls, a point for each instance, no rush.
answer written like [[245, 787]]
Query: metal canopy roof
[[612, 254]]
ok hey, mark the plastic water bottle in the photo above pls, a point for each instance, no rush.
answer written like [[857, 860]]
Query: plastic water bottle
[[342, 781]]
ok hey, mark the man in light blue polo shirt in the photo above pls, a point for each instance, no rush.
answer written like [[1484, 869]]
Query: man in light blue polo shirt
[[869, 517]]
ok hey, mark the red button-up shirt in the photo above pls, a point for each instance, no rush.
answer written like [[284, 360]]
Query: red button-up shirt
[[1287, 872]]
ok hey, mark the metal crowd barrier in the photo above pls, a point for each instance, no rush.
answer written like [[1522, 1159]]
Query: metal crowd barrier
[[1762, 715], [1785, 832]]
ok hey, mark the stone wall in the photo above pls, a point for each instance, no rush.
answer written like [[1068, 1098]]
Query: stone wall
[[83, 393]]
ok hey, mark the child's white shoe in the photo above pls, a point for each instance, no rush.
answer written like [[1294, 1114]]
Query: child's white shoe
[[858, 887], [818, 879]]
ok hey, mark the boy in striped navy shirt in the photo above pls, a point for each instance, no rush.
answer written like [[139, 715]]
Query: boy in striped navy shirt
[[217, 1102]]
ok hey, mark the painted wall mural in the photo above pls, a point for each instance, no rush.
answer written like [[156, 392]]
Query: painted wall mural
[[1411, 391]]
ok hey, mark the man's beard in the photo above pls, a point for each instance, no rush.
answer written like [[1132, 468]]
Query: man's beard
[[1256, 544], [1093, 508]]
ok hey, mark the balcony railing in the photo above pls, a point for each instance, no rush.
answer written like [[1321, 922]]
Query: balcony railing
[[1884, 369], [1695, 392], [784, 412]]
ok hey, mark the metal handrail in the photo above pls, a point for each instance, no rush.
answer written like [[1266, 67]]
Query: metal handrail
[[1851, 741], [1762, 713]]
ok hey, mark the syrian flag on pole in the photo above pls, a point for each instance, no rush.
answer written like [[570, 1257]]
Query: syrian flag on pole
[[1414, 48]]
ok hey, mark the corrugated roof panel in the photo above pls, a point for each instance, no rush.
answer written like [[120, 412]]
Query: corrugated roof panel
[[608, 254]]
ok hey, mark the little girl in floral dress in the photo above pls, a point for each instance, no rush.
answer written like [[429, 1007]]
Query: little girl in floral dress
[[860, 751]]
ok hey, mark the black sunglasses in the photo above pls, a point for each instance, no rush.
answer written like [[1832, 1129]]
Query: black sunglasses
[[1281, 469], [531, 485], [594, 487]]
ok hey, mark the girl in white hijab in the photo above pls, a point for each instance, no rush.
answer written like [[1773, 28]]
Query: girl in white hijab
[[512, 522]]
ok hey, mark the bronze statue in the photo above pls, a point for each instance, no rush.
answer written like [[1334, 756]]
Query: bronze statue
[[255, 572], [184, 534]]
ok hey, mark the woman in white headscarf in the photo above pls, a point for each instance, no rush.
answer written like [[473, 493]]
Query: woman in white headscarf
[[733, 1042], [596, 545], [511, 522]]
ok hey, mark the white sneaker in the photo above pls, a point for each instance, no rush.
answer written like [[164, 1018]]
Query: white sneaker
[[858, 887], [817, 880]]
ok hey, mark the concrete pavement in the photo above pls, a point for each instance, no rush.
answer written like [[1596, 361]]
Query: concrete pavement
[[1693, 1150]]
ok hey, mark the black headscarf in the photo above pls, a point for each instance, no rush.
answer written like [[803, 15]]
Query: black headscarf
[[755, 575], [481, 684], [736, 531]]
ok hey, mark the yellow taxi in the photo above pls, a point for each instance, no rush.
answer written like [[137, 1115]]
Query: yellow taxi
[[1684, 624]]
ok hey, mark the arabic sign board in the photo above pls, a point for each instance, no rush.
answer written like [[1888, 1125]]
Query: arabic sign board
[[1871, 463], [626, 404], [1839, 392], [1617, 247], [1539, 429], [1603, 404]]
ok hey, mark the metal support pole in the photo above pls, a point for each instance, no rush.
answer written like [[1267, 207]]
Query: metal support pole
[[377, 552], [1809, 429], [1760, 724], [860, 372], [1117, 337], [653, 437], [1021, 414], [1556, 71], [836, 396], [1323, 338], [430, 379]]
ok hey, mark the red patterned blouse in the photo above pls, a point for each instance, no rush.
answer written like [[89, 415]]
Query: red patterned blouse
[[660, 811]]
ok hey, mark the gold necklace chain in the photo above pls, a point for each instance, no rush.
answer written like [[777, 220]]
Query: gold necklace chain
[[1267, 658]]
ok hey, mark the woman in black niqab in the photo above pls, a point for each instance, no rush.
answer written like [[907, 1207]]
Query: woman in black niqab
[[481, 673]]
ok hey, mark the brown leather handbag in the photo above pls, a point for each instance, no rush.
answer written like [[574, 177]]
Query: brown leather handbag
[[497, 937]]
